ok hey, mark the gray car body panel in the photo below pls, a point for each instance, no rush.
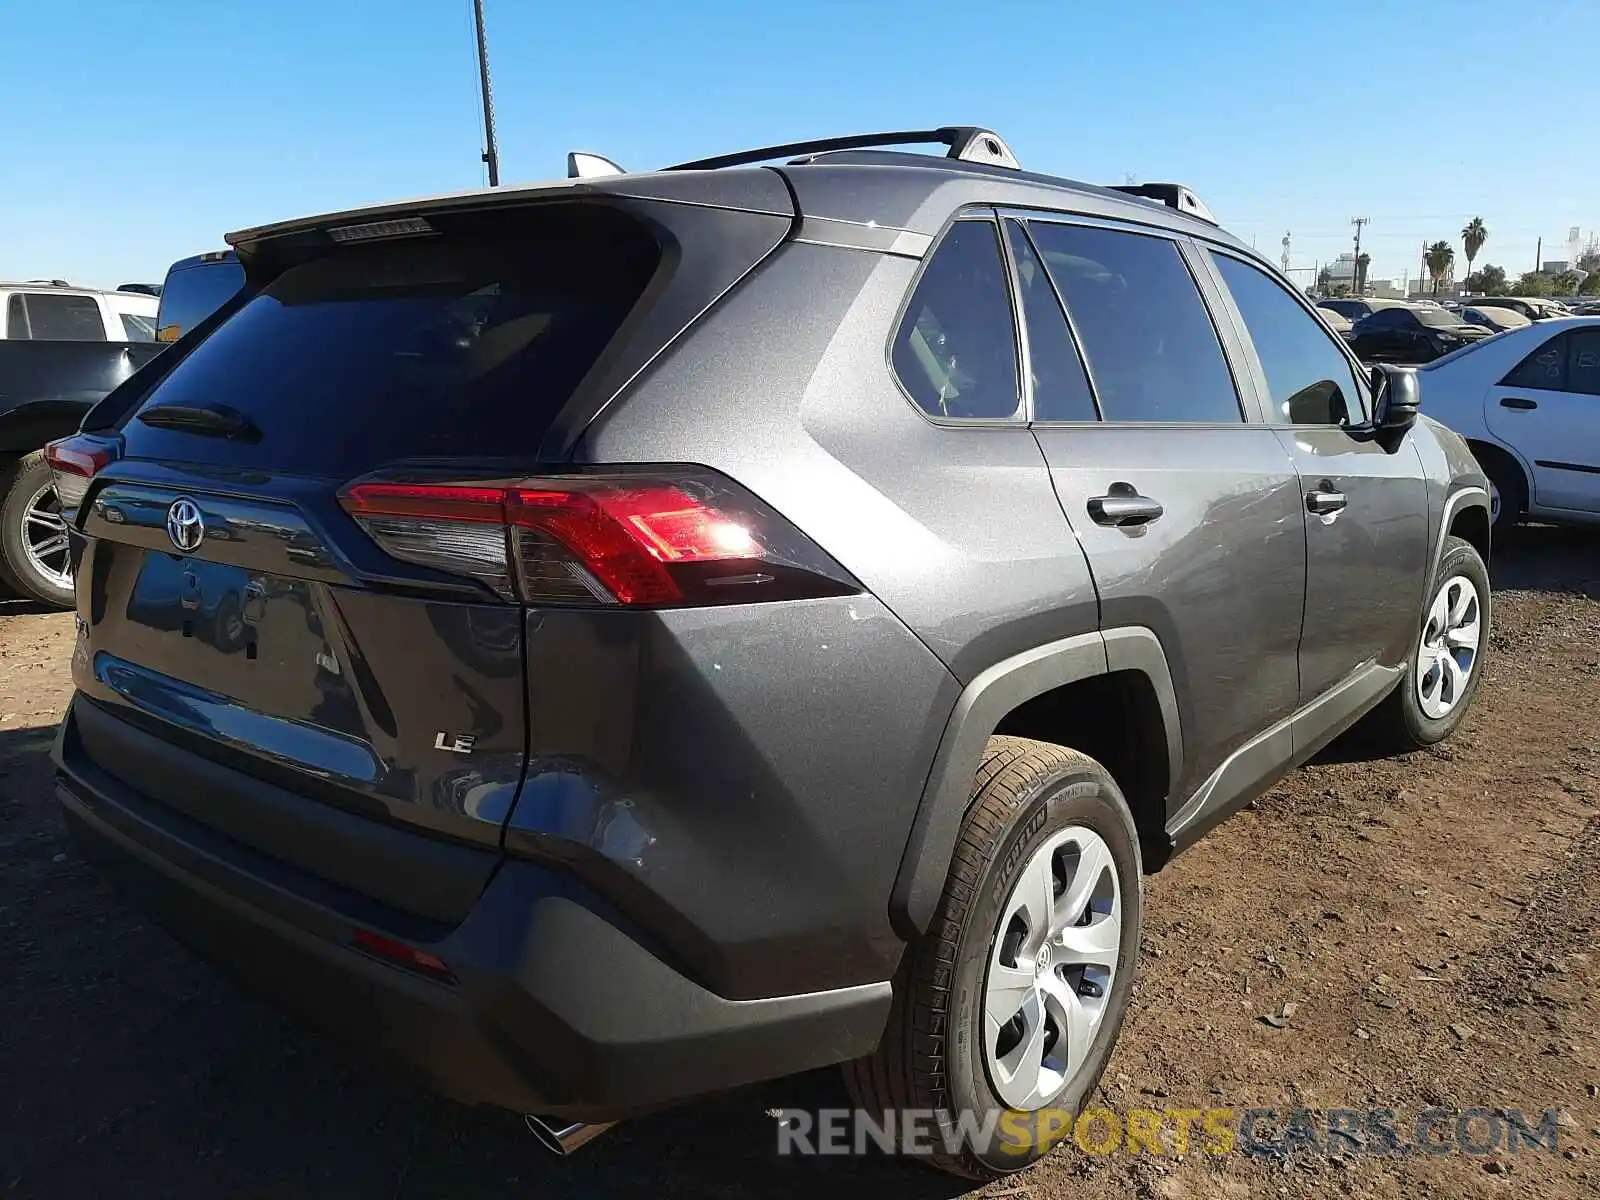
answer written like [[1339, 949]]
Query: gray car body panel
[[754, 807]]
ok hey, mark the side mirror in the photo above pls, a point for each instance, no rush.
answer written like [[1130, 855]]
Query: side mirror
[[1396, 396]]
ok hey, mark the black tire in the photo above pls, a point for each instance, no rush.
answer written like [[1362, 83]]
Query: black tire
[[27, 475], [931, 1057], [1399, 723], [1509, 483]]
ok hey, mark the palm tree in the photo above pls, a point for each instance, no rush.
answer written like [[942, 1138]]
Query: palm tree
[[1363, 261], [1472, 239], [1439, 257]]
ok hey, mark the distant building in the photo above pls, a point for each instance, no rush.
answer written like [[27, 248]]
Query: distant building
[[1554, 266], [1342, 270], [1385, 289]]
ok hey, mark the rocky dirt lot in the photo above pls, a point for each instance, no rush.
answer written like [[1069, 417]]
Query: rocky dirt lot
[[1419, 930]]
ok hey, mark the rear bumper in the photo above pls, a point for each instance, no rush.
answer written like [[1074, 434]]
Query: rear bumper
[[553, 1007]]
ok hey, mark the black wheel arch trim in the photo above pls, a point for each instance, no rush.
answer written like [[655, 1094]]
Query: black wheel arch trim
[[978, 711], [1468, 496]]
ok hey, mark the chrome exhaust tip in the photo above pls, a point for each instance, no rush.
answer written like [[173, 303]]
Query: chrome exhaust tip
[[561, 1138]]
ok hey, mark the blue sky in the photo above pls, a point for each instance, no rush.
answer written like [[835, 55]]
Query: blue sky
[[140, 131]]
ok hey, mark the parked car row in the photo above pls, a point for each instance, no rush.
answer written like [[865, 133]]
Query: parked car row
[[1517, 376], [62, 350], [1528, 403]]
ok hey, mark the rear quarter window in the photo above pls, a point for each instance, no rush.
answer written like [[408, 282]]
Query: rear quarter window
[[956, 351]]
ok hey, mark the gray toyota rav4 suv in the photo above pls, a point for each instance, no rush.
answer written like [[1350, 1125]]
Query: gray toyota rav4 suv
[[607, 642]]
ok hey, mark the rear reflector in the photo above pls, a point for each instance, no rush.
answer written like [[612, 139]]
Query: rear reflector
[[75, 460], [402, 955], [643, 540]]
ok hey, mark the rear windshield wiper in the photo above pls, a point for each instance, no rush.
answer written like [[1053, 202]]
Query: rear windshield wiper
[[216, 421]]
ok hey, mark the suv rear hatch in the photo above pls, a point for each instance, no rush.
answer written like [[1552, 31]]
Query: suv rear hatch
[[231, 604]]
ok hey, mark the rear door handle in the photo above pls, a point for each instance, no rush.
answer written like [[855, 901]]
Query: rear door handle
[[1322, 503], [1518, 402], [1124, 508]]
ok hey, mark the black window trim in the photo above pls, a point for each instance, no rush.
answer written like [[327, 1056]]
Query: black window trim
[[1539, 349], [1252, 360], [1022, 324], [1244, 390], [1018, 418]]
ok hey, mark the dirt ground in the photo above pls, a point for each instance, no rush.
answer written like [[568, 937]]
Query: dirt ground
[[1429, 919]]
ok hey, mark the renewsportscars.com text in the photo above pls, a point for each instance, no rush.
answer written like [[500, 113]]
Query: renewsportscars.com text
[[1261, 1132]]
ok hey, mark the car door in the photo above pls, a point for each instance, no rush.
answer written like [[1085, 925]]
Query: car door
[[1365, 510], [1189, 513], [1375, 339], [1548, 410]]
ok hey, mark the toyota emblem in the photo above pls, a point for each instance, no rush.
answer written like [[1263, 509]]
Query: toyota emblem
[[185, 526]]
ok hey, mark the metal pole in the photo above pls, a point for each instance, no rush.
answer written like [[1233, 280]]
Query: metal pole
[[1355, 267], [491, 156]]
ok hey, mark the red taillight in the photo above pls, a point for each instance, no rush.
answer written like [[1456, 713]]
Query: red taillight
[[640, 540], [75, 460], [402, 955]]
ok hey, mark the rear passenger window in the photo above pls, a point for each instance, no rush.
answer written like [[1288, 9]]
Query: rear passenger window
[[1060, 388], [65, 318], [1309, 377], [1583, 361], [16, 318], [956, 350], [1545, 368], [1151, 347]]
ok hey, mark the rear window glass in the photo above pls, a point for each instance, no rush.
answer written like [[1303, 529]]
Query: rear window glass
[[64, 318], [192, 294], [417, 347]]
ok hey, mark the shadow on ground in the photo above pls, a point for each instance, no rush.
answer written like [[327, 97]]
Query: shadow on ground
[[1556, 558], [132, 1069]]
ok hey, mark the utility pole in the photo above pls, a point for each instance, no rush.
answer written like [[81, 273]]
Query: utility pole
[[1355, 267], [1285, 259], [1538, 253], [491, 156]]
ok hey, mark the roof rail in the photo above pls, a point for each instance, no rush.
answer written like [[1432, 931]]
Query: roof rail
[[1173, 195], [969, 143]]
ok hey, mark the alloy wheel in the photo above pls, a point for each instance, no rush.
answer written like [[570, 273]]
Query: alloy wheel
[[1449, 649], [44, 537]]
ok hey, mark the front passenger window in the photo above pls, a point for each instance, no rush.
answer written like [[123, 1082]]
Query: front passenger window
[[956, 352], [1309, 377]]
